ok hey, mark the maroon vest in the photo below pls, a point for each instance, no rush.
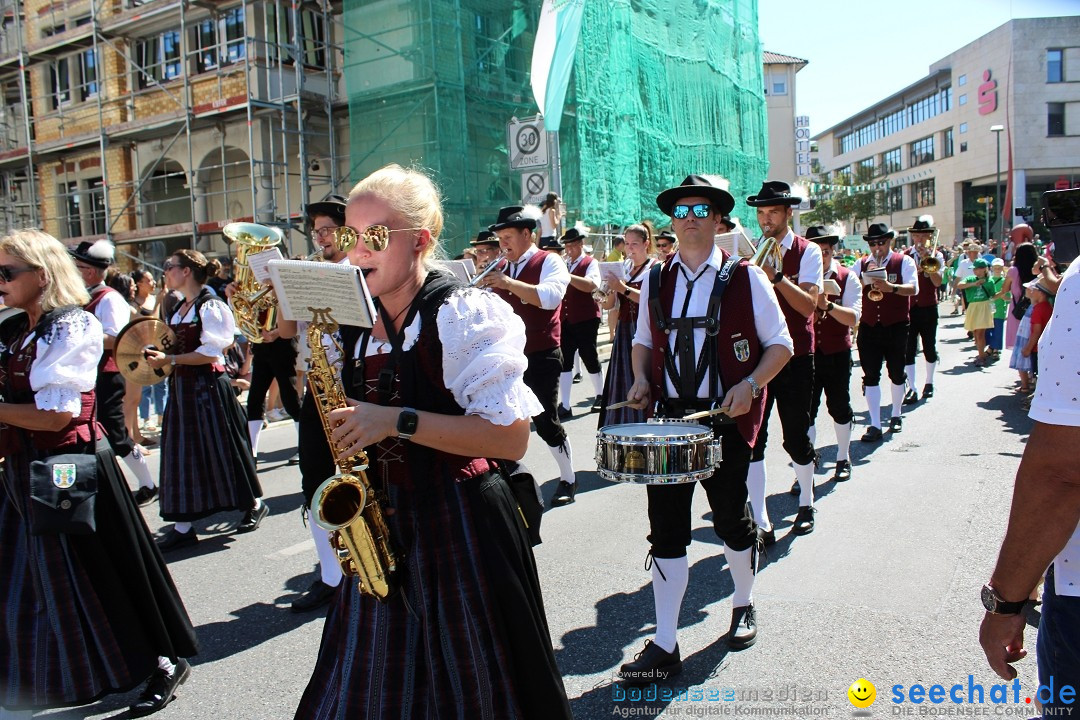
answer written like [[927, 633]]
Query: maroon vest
[[738, 347], [543, 331], [927, 295], [628, 307], [801, 328], [831, 335], [893, 308], [578, 305], [108, 362]]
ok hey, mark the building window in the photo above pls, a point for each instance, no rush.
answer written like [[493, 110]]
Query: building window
[[159, 58], [947, 143], [220, 42], [963, 99], [778, 84], [890, 161], [922, 151], [922, 193], [963, 147], [894, 199], [866, 168], [1055, 66], [98, 217], [962, 80], [70, 193], [963, 128], [1055, 119], [280, 36], [88, 74]]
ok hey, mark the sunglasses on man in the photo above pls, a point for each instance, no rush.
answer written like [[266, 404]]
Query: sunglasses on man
[[875, 243], [8, 273], [663, 245], [376, 237], [701, 211]]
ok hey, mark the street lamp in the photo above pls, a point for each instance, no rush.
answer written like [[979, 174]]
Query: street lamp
[[996, 129], [988, 202]]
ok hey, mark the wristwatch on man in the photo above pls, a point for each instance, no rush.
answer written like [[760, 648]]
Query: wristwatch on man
[[406, 423], [996, 605], [829, 306], [778, 278], [755, 389]]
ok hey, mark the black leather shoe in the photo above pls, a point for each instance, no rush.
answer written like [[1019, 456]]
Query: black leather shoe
[[817, 459], [651, 664], [896, 424], [577, 378], [294, 459], [314, 597], [564, 494], [766, 537], [796, 489], [927, 391], [743, 631], [843, 471], [144, 496], [160, 690], [804, 521], [597, 406], [253, 517], [911, 397], [565, 413], [872, 434], [173, 540]]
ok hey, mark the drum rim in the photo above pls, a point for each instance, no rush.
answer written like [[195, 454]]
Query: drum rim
[[704, 432], [672, 479]]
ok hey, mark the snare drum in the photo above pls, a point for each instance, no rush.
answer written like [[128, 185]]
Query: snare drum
[[656, 453]]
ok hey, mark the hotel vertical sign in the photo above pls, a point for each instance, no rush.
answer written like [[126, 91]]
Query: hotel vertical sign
[[802, 146]]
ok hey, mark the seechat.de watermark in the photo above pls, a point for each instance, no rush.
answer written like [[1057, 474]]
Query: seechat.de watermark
[[973, 698]]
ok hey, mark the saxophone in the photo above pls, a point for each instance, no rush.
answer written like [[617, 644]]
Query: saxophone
[[346, 504]]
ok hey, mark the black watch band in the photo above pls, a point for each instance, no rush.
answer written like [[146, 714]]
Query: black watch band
[[996, 605], [778, 278], [406, 423], [830, 306]]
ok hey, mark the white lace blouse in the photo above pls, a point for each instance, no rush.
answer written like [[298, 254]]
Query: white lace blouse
[[65, 362], [483, 356], [218, 328]]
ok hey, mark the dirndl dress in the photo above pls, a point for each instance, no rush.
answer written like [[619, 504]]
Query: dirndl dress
[[1023, 333], [88, 615], [620, 372]]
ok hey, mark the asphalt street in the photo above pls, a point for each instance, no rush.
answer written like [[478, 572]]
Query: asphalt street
[[886, 588]]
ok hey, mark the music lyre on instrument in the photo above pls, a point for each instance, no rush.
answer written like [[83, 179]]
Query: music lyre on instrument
[[134, 340]]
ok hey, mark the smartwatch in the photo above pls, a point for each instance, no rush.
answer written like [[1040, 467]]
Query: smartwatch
[[830, 306], [778, 278], [996, 605], [406, 423]]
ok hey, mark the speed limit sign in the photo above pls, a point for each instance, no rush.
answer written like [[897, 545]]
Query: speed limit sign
[[527, 143]]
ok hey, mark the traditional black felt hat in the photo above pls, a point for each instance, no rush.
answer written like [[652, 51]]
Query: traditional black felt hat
[[551, 243], [879, 231], [773, 192], [100, 254], [667, 235], [819, 234], [574, 234], [924, 223], [696, 185], [333, 205], [513, 216], [485, 237]]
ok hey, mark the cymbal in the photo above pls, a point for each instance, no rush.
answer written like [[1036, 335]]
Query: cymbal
[[139, 335]]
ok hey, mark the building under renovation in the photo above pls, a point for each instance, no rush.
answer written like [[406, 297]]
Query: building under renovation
[[155, 123]]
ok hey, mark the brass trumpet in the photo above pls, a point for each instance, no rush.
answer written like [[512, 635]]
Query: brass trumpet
[[873, 293]]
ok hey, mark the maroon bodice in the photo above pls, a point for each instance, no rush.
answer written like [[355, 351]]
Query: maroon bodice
[[628, 307]]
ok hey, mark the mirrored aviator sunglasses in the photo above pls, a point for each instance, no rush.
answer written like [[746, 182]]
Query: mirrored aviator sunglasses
[[701, 210], [376, 237]]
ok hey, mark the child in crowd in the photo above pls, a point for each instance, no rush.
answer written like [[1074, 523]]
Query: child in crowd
[[995, 336], [980, 312], [1025, 355]]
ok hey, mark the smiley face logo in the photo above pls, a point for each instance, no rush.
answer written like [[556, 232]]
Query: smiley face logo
[[862, 693]]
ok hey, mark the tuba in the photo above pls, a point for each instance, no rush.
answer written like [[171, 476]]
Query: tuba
[[251, 300], [931, 264]]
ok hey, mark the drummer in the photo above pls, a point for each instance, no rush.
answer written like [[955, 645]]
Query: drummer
[[682, 371]]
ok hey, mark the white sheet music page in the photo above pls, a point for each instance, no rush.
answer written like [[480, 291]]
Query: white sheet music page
[[458, 268], [258, 262], [304, 286], [613, 270], [735, 243]]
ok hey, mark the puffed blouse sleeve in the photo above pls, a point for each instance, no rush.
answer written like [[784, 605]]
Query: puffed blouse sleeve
[[218, 329], [484, 357], [66, 362]]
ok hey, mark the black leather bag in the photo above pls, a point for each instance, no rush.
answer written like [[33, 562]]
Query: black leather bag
[[1020, 307], [63, 494], [527, 493]]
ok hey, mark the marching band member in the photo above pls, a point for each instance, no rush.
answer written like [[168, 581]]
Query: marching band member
[[690, 368], [437, 386], [92, 261], [272, 359], [623, 297], [534, 284], [924, 310], [883, 327], [486, 245], [580, 319], [836, 315], [206, 466], [666, 245], [797, 285]]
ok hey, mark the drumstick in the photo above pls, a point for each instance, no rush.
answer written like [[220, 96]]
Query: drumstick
[[624, 403], [707, 413]]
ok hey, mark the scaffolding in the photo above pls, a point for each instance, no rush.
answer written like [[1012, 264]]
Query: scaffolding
[[156, 123]]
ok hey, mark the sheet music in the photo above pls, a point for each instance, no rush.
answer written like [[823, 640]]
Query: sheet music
[[258, 262], [301, 285], [613, 270], [869, 275], [735, 243], [470, 266], [459, 268], [831, 287]]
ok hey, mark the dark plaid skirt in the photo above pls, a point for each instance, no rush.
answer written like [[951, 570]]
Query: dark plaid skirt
[[87, 615], [206, 462], [466, 638], [620, 376]]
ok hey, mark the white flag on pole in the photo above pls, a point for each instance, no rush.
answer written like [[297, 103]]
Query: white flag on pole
[[553, 57]]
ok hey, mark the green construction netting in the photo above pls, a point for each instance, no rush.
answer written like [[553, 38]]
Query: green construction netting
[[657, 93]]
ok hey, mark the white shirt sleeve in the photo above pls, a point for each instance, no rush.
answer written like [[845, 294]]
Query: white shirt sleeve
[[909, 273], [113, 313], [218, 329], [65, 364], [768, 317], [554, 279], [643, 332], [811, 267], [852, 297], [1055, 401], [484, 357], [593, 273]]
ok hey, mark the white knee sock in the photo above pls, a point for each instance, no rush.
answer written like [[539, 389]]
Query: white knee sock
[[873, 404], [597, 384], [742, 576], [668, 597], [566, 381], [843, 440], [136, 463], [897, 400], [805, 475], [182, 527], [166, 665], [909, 372], [813, 435], [565, 458], [329, 566], [254, 431], [930, 368], [755, 488]]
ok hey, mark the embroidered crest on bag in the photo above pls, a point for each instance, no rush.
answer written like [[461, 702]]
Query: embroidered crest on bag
[[63, 475], [742, 350]]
